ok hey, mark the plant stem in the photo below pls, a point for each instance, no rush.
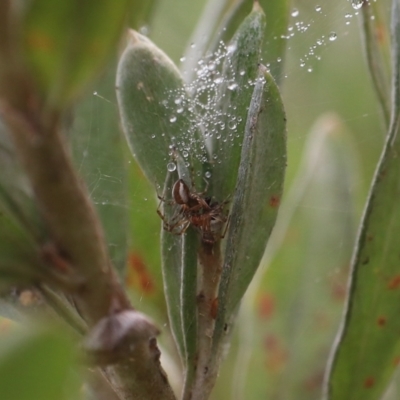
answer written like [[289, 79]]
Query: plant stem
[[77, 233], [206, 373]]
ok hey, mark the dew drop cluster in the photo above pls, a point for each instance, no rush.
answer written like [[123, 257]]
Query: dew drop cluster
[[212, 118]]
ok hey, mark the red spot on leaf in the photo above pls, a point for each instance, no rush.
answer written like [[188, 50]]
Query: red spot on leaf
[[369, 382], [381, 321], [214, 308], [394, 283], [338, 290], [266, 306], [370, 238], [274, 201], [380, 33], [396, 361], [276, 356], [314, 382], [41, 41], [138, 275]]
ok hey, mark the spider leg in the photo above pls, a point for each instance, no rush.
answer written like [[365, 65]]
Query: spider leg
[[226, 227]]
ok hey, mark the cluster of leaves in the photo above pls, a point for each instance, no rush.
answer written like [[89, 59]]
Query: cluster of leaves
[[219, 126]]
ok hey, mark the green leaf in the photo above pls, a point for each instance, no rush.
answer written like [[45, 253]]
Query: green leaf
[[302, 292], [376, 44], [37, 365], [257, 197], [240, 68], [156, 113], [368, 348], [179, 263], [219, 22], [67, 42]]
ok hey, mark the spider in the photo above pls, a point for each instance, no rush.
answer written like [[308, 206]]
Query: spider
[[194, 209]]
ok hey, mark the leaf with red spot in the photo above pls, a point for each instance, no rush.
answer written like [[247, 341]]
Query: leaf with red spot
[[138, 276], [369, 342], [300, 298]]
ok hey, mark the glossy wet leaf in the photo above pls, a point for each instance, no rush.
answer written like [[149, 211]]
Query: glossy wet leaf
[[274, 43], [156, 112], [67, 42], [37, 365], [368, 346], [257, 197], [234, 96]]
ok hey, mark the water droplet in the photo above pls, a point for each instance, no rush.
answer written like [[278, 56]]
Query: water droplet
[[231, 48], [309, 69], [182, 59], [207, 174], [171, 167], [242, 72], [232, 125], [153, 136], [178, 100], [318, 8], [232, 86], [295, 13], [332, 36], [94, 93], [185, 154], [357, 4], [192, 45], [144, 30], [179, 110], [172, 118]]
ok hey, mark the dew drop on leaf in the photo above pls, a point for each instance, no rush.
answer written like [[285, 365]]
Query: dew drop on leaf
[[357, 4], [332, 36], [171, 167]]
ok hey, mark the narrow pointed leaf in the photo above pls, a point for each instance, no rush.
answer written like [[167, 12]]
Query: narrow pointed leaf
[[257, 197], [376, 44], [274, 43], [239, 73], [312, 245], [368, 346]]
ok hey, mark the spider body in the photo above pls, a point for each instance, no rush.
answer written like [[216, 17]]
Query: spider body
[[194, 209]]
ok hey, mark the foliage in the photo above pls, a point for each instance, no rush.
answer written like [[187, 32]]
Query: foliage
[[82, 272]]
